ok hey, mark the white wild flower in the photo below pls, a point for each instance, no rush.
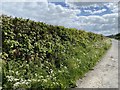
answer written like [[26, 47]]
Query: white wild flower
[[10, 78], [44, 80], [16, 84]]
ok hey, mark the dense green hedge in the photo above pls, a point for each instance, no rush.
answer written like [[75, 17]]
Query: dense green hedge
[[37, 55], [117, 36]]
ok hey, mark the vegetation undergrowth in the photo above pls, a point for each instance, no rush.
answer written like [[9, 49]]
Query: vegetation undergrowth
[[37, 55]]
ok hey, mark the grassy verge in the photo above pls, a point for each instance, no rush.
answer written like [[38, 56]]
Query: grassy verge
[[37, 55]]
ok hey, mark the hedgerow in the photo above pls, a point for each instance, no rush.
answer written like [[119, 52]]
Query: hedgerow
[[38, 55], [116, 36]]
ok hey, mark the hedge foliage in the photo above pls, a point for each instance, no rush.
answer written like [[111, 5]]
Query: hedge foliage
[[117, 36], [37, 55]]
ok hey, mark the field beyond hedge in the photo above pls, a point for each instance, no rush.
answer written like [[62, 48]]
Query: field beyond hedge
[[37, 55]]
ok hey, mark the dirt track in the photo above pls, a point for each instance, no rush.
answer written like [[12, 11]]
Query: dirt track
[[105, 73]]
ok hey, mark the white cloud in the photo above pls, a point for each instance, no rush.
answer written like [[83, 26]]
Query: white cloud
[[85, 4], [99, 11], [113, 7], [106, 24], [23, 0], [58, 15], [103, 24], [92, 0], [95, 12]]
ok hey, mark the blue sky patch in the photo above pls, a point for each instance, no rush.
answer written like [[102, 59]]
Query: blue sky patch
[[63, 4]]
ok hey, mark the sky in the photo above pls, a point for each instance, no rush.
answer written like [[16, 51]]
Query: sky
[[97, 17]]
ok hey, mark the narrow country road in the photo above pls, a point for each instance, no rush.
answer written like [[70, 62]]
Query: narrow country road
[[105, 73]]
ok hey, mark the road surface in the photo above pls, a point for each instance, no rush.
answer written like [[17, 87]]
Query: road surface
[[105, 73]]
